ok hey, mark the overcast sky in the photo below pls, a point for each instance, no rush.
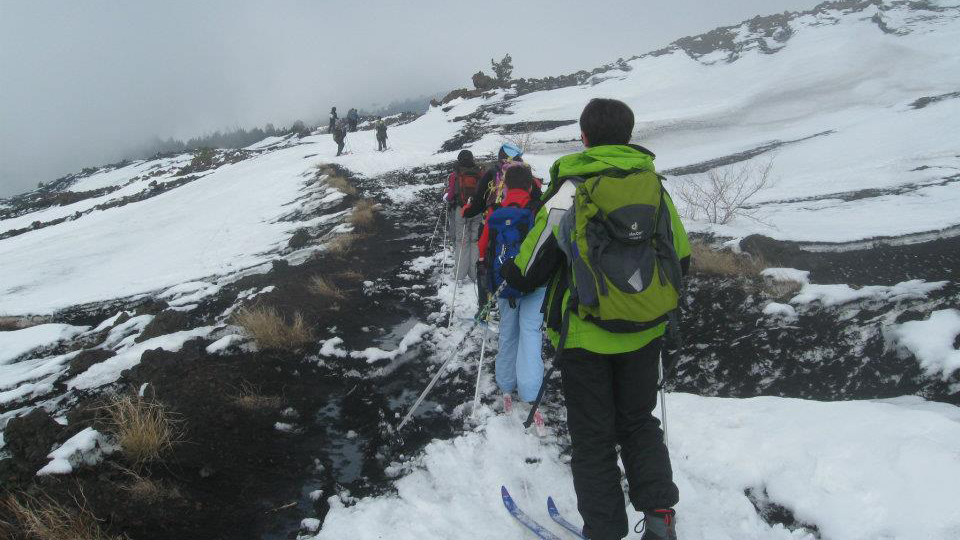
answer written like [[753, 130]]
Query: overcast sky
[[84, 83]]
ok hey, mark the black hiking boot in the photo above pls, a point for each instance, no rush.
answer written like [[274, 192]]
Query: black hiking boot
[[658, 524]]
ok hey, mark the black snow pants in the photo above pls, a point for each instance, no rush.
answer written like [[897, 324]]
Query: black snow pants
[[610, 400], [381, 144]]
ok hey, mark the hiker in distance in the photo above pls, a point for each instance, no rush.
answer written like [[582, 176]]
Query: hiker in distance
[[381, 128], [461, 185], [333, 119], [519, 363], [353, 118], [340, 135], [609, 228]]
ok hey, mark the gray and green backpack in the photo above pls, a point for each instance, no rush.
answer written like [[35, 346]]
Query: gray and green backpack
[[626, 275]]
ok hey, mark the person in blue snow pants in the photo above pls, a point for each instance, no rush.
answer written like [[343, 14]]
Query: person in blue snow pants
[[519, 364]]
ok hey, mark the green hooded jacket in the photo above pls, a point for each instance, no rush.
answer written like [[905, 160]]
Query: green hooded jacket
[[550, 265]]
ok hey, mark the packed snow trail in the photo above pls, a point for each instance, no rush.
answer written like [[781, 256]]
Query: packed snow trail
[[857, 470]]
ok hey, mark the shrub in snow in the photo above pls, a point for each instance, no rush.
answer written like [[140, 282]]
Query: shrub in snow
[[723, 262], [325, 288], [722, 194], [364, 214], [503, 69], [523, 140], [252, 398], [43, 517], [342, 243], [782, 283], [144, 429], [271, 330]]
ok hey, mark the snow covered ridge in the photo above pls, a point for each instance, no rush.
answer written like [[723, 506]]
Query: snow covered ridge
[[821, 109], [225, 221], [770, 34]]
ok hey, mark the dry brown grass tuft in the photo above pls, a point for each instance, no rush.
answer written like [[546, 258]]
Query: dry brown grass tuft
[[340, 183], [350, 275], [269, 329], [251, 398], [43, 518], [151, 491], [712, 262], [144, 429], [343, 243], [148, 490], [324, 288], [780, 289], [364, 214]]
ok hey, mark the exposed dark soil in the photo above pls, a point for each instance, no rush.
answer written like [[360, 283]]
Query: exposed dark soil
[[236, 474], [880, 264], [705, 166]]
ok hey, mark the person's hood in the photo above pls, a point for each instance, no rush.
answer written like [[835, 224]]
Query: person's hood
[[516, 196], [593, 160]]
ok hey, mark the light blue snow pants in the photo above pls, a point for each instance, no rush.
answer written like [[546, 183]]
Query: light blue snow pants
[[519, 364]]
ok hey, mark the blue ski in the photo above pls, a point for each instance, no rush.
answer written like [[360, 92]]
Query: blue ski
[[523, 518], [555, 515]]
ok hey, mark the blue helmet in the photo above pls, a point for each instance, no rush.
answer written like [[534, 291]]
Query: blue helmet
[[510, 150]]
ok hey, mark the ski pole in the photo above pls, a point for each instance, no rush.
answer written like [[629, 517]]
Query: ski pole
[[663, 399], [440, 215], [483, 349], [480, 316], [456, 274], [446, 228]]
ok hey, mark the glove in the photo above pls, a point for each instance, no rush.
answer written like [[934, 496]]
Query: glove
[[464, 209]]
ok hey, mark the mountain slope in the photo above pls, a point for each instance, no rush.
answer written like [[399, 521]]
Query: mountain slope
[[138, 270]]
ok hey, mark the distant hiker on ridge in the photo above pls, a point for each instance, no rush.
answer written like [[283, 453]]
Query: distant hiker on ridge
[[340, 135], [519, 363], [461, 185], [623, 246], [353, 118], [333, 120], [381, 134]]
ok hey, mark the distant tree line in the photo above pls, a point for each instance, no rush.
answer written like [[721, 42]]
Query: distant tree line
[[241, 138], [417, 105], [236, 138]]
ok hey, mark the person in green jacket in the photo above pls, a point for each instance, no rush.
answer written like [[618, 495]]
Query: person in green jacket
[[610, 379]]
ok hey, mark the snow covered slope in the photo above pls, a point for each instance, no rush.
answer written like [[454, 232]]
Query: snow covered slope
[[855, 103], [851, 470]]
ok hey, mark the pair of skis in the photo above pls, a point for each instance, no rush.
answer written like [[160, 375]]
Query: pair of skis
[[532, 525]]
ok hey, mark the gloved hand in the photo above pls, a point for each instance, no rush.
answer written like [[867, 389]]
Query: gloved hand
[[464, 209]]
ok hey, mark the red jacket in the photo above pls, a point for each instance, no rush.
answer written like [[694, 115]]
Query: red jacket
[[450, 193], [518, 197]]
